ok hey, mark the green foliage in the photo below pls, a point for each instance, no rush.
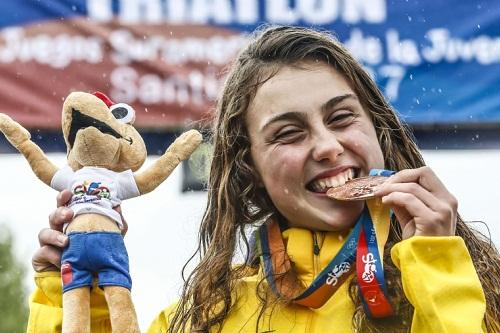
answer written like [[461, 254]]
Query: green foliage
[[13, 307], [199, 162]]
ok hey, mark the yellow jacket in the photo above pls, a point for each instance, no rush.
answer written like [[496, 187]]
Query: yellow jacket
[[437, 272]]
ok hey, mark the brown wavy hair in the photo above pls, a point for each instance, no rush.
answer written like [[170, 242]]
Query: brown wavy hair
[[235, 202]]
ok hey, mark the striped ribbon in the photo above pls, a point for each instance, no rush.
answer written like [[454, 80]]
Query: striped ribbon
[[359, 253]]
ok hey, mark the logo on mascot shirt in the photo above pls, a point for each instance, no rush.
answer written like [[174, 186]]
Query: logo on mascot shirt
[[88, 188]]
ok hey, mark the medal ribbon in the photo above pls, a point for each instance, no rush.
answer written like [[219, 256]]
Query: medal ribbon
[[359, 252], [370, 273]]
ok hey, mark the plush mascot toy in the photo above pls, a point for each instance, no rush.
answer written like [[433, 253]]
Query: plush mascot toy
[[104, 150]]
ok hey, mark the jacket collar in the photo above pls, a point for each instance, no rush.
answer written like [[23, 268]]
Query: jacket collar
[[300, 243]]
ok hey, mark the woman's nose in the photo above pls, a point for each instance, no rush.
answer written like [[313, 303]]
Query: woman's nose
[[326, 146]]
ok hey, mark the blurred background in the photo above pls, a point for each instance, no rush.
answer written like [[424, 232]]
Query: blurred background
[[436, 61]]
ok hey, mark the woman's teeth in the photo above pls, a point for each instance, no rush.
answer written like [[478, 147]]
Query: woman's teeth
[[322, 185]]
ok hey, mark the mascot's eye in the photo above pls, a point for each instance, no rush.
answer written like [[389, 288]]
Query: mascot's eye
[[123, 112]]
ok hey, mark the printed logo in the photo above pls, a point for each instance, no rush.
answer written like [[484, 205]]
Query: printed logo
[[91, 188], [89, 192], [66, 273], [337, 272], [370, 269], [371, 297]]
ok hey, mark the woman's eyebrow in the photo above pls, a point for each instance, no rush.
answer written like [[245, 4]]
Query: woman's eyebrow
[[293, 115], [302, 116], [336, 100]]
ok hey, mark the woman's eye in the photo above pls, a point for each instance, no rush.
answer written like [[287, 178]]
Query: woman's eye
[[288, 135], [341, 118]]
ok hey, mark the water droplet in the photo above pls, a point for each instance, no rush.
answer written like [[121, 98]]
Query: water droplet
[[409, 18], [411, 76], [479, 26]]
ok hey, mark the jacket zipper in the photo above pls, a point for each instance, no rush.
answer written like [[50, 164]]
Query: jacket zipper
[[316, 250], [316, 267]]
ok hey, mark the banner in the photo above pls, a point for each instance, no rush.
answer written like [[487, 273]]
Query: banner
[[436, 61]]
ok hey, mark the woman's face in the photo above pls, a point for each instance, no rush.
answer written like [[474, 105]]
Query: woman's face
[[308, 132]]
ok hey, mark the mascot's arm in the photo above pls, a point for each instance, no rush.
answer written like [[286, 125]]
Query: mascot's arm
[[19, 137], [178, 151]]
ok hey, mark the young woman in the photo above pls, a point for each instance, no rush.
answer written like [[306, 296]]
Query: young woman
[[297, 116]]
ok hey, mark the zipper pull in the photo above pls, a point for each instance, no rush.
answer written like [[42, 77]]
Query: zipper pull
[[315, 244]]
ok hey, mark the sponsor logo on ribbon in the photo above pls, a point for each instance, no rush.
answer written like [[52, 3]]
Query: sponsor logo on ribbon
[[370, 267], [336, 272]]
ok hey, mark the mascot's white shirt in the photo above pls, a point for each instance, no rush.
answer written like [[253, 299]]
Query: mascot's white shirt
[[96, 190]]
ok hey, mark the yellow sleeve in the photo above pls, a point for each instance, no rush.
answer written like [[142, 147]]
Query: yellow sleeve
[[161, 322], [441, 283], [46, 306]]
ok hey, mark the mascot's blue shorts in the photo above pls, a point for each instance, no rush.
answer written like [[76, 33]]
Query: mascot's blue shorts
[[95, 253]]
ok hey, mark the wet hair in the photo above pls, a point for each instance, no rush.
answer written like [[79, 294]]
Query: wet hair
[[235, 201]]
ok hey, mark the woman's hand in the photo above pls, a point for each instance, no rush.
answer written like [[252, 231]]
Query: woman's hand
[[421, 203], [52, 240]]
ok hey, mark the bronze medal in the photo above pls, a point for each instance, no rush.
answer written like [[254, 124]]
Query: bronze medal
[[356, 189]]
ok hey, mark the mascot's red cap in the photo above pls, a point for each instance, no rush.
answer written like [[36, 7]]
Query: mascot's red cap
[[103, 98]]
